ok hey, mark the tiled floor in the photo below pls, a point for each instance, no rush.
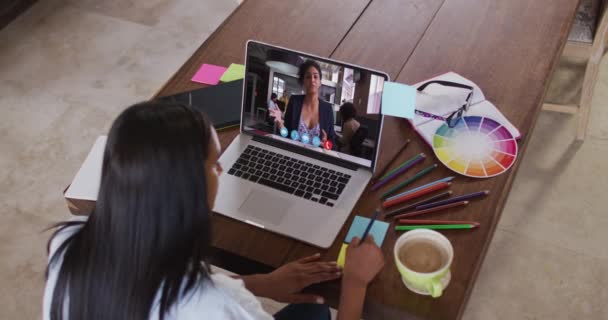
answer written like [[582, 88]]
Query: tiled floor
[[69, 67]]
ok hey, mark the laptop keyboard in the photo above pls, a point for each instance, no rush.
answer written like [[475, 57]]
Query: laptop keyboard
[[303, 179]]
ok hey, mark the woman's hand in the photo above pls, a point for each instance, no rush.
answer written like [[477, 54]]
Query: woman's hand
[[323, 135], [363, 262], [286, 283]]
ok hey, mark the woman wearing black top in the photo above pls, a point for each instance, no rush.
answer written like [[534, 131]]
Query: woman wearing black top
[[308, 114]]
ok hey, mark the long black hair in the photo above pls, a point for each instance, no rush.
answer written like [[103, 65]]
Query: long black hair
[[150, 228], [347, 111]]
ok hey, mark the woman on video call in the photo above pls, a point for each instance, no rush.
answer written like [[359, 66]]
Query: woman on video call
[[308, 113]]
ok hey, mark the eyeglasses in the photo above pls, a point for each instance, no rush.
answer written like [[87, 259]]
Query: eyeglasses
[[453, 119]]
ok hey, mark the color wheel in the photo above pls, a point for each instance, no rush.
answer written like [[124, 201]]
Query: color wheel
[[477, 147]]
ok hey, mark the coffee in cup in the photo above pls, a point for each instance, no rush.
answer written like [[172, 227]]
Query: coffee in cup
[[423, 258]]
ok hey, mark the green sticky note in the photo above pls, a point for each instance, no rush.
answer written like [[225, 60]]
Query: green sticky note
[[342, 256], [398, 100], [235, 72], [359, 225]]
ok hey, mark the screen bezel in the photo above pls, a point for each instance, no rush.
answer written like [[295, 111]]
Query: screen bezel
[[376, 152]]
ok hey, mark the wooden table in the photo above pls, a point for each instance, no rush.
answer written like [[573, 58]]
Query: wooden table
[[509, 48]]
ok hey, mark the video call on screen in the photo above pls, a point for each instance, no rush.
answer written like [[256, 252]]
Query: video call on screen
[[350, 104]]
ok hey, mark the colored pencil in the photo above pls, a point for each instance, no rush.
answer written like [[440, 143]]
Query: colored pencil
[[381, 173], [417, 194], [369, 225], [431, 210], [414, 205], [437, 227], [410, 180], [455, 199], [403, 168], [415, 222], [447, 179], [399, 167]]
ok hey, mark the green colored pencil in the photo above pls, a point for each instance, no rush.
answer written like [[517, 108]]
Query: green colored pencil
[[401, 166], [435, 227], [408, 181]]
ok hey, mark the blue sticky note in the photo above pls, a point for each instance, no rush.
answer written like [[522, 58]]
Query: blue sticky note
[[359, 225], [398, 100]]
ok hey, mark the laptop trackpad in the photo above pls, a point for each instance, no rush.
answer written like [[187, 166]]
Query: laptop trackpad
[[265, 207]]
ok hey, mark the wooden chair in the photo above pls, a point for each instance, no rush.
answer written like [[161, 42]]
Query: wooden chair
[[587, 42], [261, 111]]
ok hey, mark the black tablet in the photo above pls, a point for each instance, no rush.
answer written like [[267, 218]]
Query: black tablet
[[221, 103]]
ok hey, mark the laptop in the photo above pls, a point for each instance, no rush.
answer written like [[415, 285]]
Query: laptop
[[285, 182]]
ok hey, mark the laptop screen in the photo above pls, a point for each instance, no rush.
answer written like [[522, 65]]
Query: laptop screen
[[313, 103]]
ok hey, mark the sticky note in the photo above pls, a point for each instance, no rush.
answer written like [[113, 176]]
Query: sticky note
[[359, 225], [398, 100], [209, 74], [235, 72], [342, 255], [357, 229]]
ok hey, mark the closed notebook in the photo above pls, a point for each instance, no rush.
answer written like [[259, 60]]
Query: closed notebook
[[442, 101]]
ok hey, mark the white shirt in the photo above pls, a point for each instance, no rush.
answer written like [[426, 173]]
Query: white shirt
[[226, 299], [272, 105]]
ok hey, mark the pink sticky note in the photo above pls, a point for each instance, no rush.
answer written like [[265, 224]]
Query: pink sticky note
[[209, 74]]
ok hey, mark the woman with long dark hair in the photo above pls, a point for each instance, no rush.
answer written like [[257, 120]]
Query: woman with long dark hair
[[142, 253], [350, 125]]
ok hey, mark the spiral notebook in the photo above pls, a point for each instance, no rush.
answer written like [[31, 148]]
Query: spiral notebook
[[441, 100]]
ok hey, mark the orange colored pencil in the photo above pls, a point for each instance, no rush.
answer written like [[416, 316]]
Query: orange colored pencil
[[430, 210], [413, 221], [414, 195]]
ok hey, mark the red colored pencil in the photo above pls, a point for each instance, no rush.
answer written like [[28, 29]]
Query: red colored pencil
[[430, 210], [413, 221], [414, 195]]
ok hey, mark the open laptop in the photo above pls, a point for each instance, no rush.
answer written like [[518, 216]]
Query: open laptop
[[298, 187]]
